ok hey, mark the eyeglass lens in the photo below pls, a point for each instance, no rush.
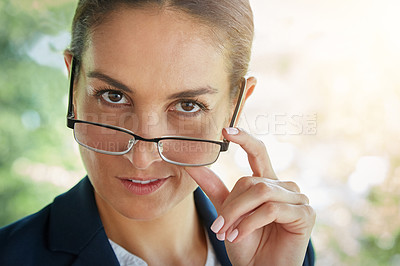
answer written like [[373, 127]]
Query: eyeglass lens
[[111, 141], [102, 138], [189, 152]]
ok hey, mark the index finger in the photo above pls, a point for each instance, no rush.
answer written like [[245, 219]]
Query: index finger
[[256, 152], [210, 183]]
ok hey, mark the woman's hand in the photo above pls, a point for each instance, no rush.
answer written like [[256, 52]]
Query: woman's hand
[[263, 221]]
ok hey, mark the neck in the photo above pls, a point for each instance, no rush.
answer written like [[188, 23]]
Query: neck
[[168, 239]]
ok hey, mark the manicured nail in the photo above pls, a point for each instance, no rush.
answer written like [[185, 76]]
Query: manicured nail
[[232, 236], [232, 130], [217, 224], [221, 237]]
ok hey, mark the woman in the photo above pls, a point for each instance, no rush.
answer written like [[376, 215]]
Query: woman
[[153, 84]]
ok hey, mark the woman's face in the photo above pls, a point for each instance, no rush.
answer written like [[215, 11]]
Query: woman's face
[[156, 73]]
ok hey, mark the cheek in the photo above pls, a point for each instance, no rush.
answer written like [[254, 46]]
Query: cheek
[[220, 119], [92, 162], [99, 166]]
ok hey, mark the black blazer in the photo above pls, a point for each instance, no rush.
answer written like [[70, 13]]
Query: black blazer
[[69, 232]]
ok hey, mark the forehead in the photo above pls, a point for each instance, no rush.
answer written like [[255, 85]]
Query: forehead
[[161, 45]]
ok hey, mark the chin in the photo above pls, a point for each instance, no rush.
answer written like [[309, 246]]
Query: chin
[[147, 210]]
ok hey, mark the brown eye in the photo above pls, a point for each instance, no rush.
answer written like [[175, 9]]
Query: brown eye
[[187, 107], [114, 97]]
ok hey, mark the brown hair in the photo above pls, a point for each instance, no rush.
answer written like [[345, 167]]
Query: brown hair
[[232, 19]]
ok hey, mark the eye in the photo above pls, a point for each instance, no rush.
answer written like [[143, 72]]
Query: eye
[[114, 97], [187, 107]]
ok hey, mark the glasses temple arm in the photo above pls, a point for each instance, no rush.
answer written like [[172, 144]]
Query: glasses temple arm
[[239, 103], [70, 113], [71, 88]]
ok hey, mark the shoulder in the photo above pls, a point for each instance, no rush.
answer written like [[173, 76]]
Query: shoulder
[[67, 231], [24, 241], [28, 229], [31, 239]]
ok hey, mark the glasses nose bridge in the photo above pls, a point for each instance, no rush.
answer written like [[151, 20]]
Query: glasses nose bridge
[[135, 139], [143, 155]]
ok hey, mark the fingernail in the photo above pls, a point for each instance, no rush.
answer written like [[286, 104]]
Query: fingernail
[[221, 237], [232, 130], [232, 236], [217, 224]]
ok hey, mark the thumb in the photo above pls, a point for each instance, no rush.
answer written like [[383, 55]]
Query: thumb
[[210, 183]]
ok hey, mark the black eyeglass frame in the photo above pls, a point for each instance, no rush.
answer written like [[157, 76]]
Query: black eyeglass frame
[[71, 121]]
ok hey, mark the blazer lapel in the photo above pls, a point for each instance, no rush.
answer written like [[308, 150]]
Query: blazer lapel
[[99, 252], [208, 214], [75, 227]]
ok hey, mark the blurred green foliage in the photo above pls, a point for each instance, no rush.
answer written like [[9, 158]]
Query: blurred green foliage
[[32, 104]]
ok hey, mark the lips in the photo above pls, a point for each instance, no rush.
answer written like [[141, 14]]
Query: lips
[[142, 186], [143, 182]]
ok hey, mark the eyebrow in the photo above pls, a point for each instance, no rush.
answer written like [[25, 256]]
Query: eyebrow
[[182, 94], [193, 93], [107, 79]]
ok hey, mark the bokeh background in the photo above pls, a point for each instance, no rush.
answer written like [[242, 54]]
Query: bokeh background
[[327, 107]]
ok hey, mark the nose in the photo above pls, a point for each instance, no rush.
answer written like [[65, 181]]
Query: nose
[[143, 154]]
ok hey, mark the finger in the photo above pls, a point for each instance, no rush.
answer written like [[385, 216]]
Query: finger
[[210, 183], [241, 186], [296, 219], [256, 196], [289, 185], [247, 182], [235, 225], [256, 152]]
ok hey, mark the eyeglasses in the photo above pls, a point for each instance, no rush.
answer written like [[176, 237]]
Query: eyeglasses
[[114, 140]]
